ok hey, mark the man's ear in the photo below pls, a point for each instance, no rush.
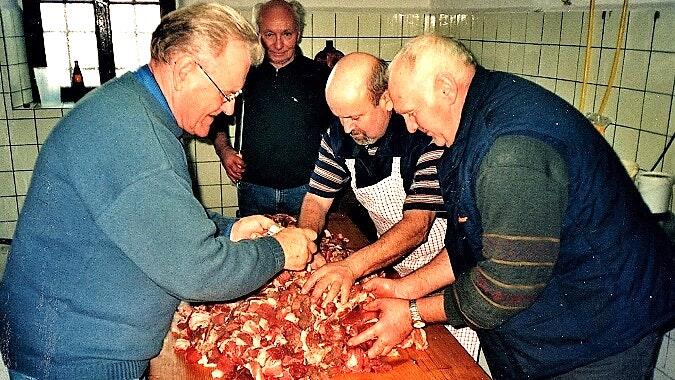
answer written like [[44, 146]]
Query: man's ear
[[182, 68], [385, 100], [445, 85]]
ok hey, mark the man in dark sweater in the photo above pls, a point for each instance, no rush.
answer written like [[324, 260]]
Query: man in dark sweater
[[283, 114], [111, 238], [553, 257]]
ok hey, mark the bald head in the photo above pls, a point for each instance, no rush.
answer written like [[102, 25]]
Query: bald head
[[430, 54], [429, 81], [356, 94], [356, 77]]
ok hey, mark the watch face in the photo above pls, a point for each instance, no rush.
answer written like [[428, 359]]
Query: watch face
[[419, 324]]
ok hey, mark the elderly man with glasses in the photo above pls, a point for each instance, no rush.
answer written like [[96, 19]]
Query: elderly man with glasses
[[111, 237]]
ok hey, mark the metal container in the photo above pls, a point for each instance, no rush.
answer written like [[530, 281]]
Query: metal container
[[5, 244]]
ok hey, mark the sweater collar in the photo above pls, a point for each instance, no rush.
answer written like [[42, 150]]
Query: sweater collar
[[289, 67]]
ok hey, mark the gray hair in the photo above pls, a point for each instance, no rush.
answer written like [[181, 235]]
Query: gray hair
[[378, 81], [202, 28], [296, 9], [441, 52]]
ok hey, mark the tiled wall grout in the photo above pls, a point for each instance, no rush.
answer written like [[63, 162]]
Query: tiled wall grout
[[502, 40], [515, 41]]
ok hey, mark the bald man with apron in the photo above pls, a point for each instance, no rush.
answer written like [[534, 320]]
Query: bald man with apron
[[394, 175]]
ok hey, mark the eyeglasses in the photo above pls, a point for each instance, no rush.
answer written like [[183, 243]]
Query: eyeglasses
[[227, 98]]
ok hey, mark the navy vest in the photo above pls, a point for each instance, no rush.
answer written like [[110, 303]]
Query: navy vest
[[612, 283]]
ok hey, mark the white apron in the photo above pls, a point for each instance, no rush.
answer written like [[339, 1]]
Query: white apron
[[384, 202]]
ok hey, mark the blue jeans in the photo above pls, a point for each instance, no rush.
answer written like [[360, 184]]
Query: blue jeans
[[14, 375], [257, 199]]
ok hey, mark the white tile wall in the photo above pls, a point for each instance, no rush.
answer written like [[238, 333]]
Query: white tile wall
[[545, 47]]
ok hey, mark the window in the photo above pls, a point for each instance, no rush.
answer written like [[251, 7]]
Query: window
[[106, 37]]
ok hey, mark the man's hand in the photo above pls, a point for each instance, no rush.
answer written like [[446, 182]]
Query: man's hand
[[318, 261], [336, 278], [393, 326], [233, 163], [250, 227], [298, 245], [388, 288]]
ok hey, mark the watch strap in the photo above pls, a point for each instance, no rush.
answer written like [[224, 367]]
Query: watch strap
[[417, 321]]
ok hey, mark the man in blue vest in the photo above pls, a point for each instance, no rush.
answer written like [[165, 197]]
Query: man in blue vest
[[554, 259]]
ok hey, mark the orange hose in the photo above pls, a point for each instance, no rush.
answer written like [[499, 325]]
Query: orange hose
[[617, 52], [587, 58]]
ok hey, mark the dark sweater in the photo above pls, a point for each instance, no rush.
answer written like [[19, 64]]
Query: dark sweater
[[110, 239], [285, 114]]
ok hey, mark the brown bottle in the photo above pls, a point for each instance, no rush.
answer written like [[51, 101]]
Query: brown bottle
[[77, 81], [329, 55]]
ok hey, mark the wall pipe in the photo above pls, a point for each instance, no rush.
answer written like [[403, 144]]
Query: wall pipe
[[617, 52], [587, 57]]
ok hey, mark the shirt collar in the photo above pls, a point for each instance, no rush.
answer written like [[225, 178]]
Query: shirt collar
[[296, 59], [147, 79]]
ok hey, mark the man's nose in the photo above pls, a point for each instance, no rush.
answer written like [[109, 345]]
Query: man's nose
[[278, 43], [348, 125]]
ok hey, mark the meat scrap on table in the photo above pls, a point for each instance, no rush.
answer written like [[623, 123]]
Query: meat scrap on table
[[278, 333]]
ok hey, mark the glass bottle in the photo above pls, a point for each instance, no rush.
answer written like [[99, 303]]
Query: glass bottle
[[329, 56], [77, 81]]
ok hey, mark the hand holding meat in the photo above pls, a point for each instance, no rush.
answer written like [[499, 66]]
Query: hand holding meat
[[298, 245], [250, 227], [233, 163], [393, 326], [318, 261], [333, 279], [388, 288]]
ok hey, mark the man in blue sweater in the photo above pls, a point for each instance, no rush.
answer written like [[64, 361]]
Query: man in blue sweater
[[111, 237], [553, 258]]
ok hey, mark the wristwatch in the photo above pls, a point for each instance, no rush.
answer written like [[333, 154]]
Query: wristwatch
[[417, 321]]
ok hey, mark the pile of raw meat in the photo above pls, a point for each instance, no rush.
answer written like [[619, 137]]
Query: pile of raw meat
[[280, 333]]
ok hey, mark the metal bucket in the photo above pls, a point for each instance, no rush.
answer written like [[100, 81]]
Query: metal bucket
[[5, 244]]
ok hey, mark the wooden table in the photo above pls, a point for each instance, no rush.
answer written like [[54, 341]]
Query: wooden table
[[444, 359]]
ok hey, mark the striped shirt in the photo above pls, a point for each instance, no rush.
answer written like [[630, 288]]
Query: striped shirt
[[373, 164]]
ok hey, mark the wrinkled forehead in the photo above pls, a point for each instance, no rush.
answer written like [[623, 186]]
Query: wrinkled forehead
[[403, 89], [277, 18], [409, 83], [350, 101], [229, 68]]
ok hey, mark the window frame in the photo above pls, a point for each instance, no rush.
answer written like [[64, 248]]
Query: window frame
[[34, 33]]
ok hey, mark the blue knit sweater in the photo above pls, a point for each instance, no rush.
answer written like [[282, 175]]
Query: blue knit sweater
[[110, 239]]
